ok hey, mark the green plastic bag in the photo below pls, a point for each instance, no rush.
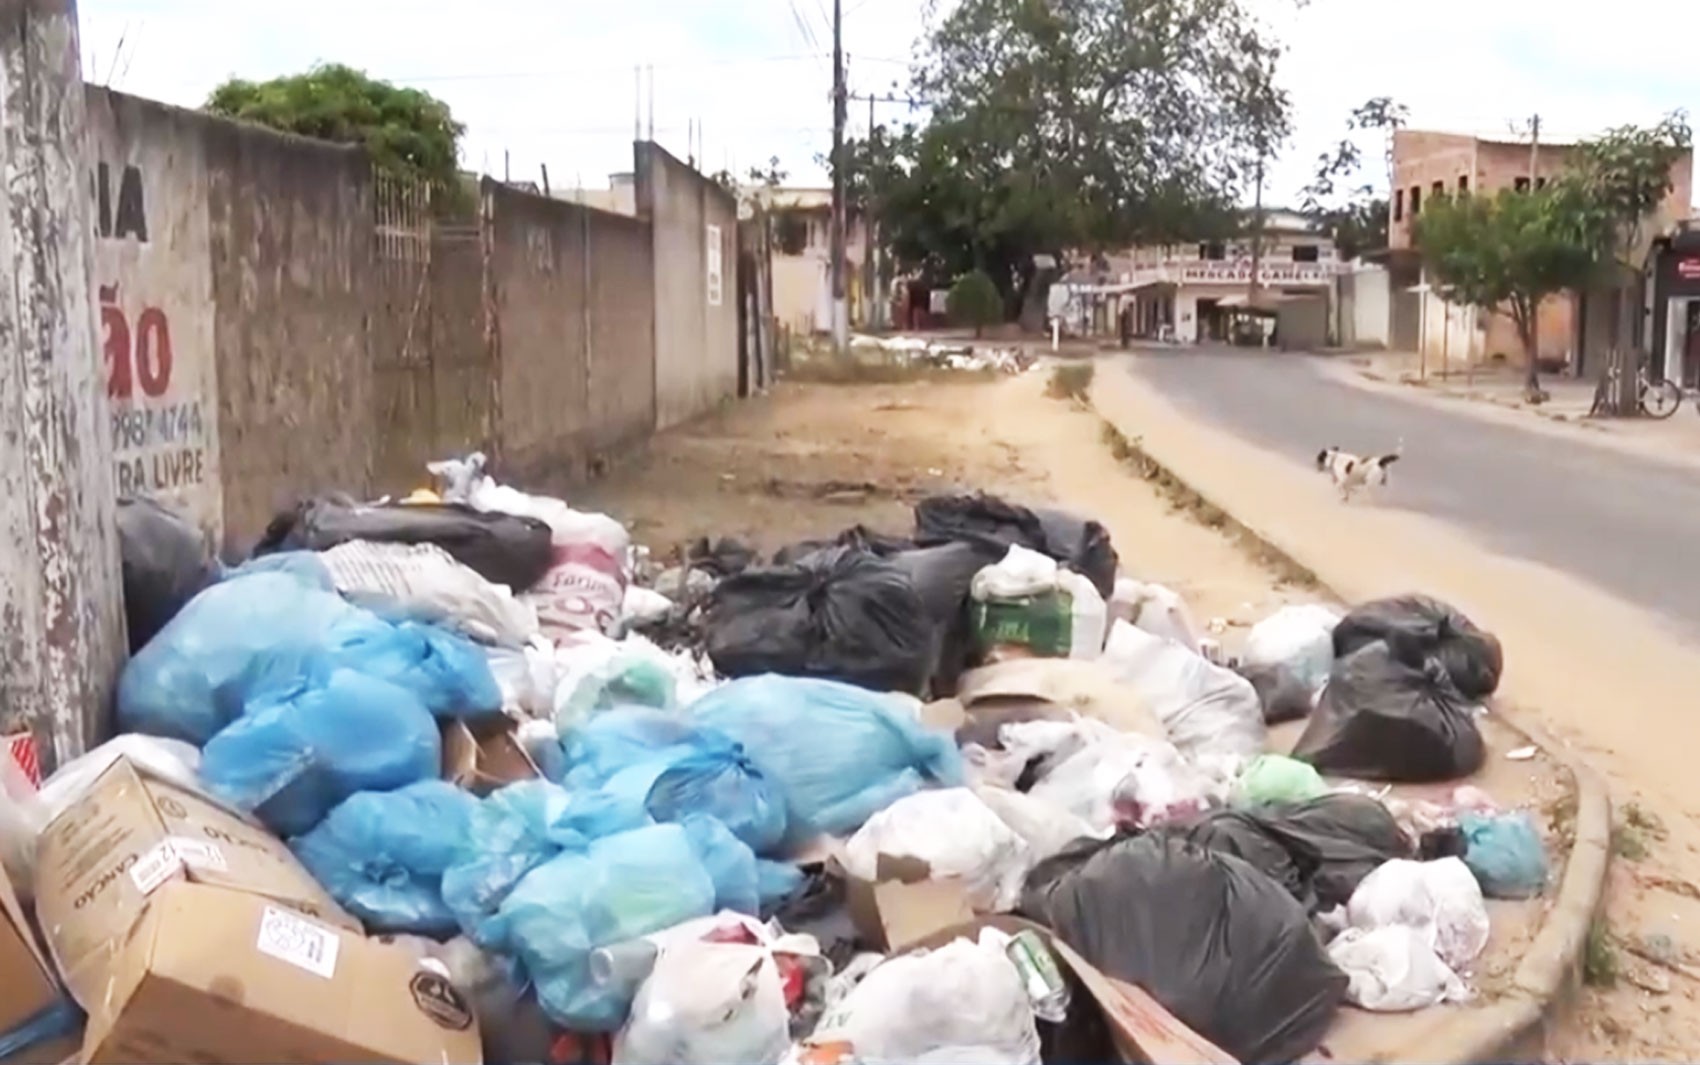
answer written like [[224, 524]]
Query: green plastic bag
[[1275, 778]]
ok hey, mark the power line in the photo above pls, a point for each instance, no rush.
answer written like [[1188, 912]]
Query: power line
[[683, 64]]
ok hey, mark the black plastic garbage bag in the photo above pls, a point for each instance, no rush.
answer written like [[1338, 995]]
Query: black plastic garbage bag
[[859, 536], [722, 557], [1241, 834], [943, 577], [1220, 944], [1336, 841], [1283, 696], [840, 615], [166, 564], [1420, 628], [1081, 543], [1382, 718], [502, 548]]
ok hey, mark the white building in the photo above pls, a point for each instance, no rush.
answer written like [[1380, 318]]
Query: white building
[[1190, 292]]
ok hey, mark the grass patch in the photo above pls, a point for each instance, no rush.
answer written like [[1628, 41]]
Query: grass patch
[[1599, 958], [827, 370], [1632, 838], [1072, 381]]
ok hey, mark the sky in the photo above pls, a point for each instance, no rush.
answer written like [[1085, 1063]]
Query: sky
[[551, 82]]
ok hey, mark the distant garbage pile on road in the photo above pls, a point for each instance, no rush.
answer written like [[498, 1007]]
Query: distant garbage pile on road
[[469, 777], [961, 355]]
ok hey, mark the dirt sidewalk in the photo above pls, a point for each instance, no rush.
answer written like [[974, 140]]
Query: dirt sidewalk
[[1608, 680], [807, 461]]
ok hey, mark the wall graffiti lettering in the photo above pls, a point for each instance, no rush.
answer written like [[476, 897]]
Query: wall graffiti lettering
[[124, 216], [159, 440]]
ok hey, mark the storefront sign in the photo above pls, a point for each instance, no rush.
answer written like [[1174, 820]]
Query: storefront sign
[[1688, 269]]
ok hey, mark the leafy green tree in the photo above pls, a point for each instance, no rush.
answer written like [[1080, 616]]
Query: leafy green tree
[[1338, 200], [408, 133], [1074, 127], [974, 301], [1507, 253]]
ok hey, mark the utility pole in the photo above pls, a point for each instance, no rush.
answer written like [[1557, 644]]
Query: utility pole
[[872, 317], [840, 310], [1256, 236], [62, 634], [1534, 150]]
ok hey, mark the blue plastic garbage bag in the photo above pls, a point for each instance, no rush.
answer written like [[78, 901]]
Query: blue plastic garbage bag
[[839, 753], [382, 855], [296, 755], [618, 739], [510, 834], [305, 566], [612, 890], [231, 643], [776, 882], [1506, 854], [634, 765], [448, 672]]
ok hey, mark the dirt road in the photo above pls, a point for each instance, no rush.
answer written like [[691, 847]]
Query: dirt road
[[1613, 680]]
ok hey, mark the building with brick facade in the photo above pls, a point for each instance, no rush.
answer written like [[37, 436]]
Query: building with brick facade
[[1427, 164]]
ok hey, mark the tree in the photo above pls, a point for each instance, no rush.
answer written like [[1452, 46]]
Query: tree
[[1354, 217], [408, 133], [1065, 127], [1507, 253], [1613, 184], [974, 301]]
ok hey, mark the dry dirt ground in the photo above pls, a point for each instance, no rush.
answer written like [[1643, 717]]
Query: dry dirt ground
[[810, 459]]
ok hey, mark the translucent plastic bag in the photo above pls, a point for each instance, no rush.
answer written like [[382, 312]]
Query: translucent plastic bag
[[425, 582], [449, 674], [1156, 609], [1394, 969], [964, 994], [509, 835], [1275, 778], [708, 1003], [957, 835], [615, 889], [598, 674], [171, 760], [237, 636], [298, 754], [382, 855], [1048, 828], [1297, 639], [1205, 708], [1440, 899], [1505, 854], [838, 753]]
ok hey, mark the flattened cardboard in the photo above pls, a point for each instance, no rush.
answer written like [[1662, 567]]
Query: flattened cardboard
[[1143, 1031], [485, 760], [99, 862], [27, 981], [223, 977], [904, 903]]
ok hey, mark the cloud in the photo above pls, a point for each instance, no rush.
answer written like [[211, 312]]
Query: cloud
[[552, 83]]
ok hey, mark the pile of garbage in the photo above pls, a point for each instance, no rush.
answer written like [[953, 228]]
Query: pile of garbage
[[467, 777], [945, 354]]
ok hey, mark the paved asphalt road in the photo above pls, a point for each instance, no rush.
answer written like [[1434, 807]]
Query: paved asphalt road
[[1558, 502]]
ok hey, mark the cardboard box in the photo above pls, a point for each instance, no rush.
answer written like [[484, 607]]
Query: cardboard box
[[221, 976], [904, 904], [28, 985], [100, 862], [1143, 1031], [486, 759]]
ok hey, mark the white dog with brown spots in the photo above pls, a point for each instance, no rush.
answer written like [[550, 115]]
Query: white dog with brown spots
[[1354, 473]]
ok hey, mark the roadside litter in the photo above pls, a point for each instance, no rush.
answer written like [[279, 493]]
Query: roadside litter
[[956, 793]]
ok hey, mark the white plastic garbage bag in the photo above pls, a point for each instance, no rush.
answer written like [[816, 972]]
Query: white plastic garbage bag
[[1394, 969], [1021, 573], [966, 994], [643, 605], [1156, 609], [425, 582], [1022, 600], [957, 835], [1125, 778], [1298, 639], [170, 760], [707, 1003], [1205, 708], [527, 677], [1440, 899], [1047, 827]]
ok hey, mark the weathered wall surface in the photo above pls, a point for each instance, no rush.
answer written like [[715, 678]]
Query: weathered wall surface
[[291, 238], [694, 223], [574, 348], [153, 276]]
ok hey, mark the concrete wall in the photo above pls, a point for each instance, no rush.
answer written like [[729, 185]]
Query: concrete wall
[[694, 225], [154, 283], [290, 223], [574, 351]]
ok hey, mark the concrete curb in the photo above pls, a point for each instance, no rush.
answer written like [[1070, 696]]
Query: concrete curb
[[1516, 1026]]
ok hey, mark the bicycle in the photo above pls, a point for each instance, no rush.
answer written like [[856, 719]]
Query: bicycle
[[1656, 399]]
